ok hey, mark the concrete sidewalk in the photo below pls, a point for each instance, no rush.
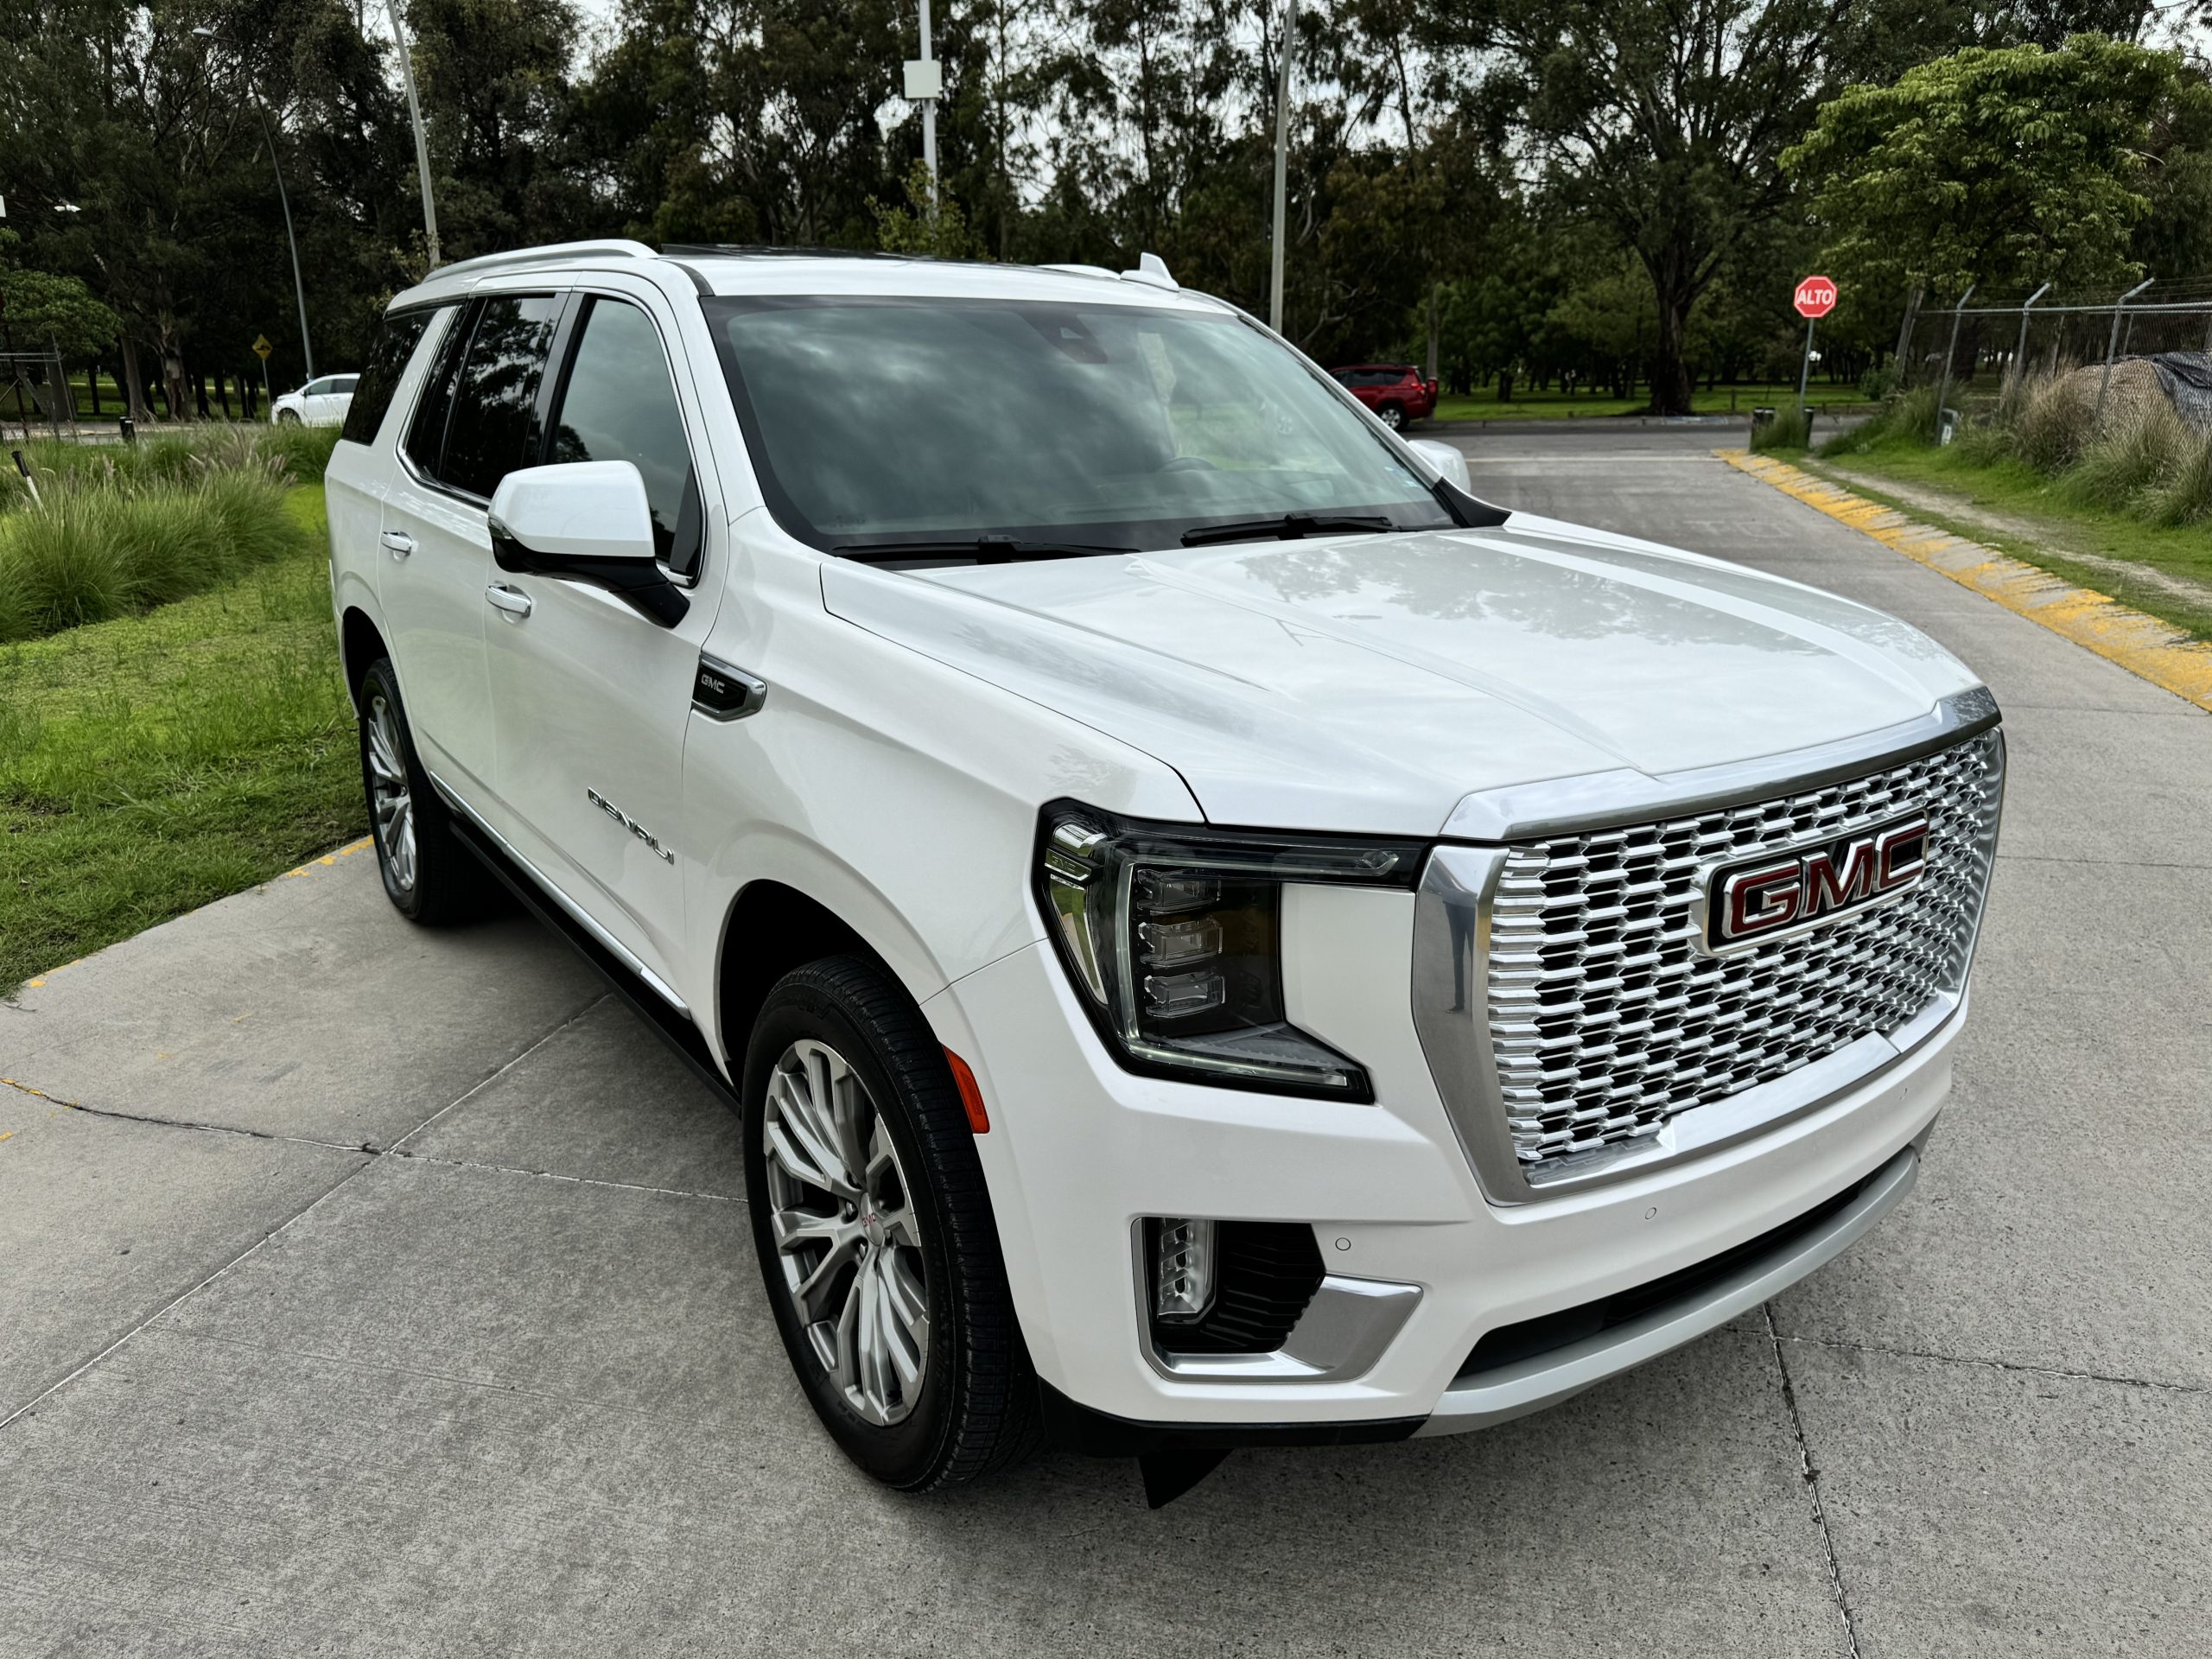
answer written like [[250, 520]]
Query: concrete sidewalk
[[387, 1291]]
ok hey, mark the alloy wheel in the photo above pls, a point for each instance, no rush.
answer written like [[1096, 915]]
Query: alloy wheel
[[847, 1236], [391, 796]]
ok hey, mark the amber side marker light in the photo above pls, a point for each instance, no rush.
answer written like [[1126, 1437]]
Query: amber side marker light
[[971, 1097]]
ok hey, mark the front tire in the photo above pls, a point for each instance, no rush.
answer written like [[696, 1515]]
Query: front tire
[[288, 418], [1393, 416], [875, 1234], [428, 876]]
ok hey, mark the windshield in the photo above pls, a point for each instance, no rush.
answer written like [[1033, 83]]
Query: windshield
[[875, 421]]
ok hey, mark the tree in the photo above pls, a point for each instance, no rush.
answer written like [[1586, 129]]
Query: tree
[[41, 308], [1665, 120], [2006, 169]]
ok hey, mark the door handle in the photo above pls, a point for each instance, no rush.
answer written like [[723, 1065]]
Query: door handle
[[397, 542], [515, 602]]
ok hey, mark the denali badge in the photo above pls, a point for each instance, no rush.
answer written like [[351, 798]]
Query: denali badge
[[630, 824], [1785, 893]]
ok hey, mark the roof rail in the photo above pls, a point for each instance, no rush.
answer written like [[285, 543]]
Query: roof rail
[[762, 249], [620, 246]]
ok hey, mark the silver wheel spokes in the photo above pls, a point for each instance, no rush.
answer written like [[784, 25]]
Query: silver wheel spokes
[[392, 801], [845, 1232]]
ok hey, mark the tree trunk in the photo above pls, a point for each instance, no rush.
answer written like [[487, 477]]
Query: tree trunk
[[92, 385], [134, 386]]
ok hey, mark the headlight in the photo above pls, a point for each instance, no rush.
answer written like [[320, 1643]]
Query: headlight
[[1171, 933]]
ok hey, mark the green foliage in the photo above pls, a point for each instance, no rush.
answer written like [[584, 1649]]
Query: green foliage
[[97, 545], [916, 226], [2003, 168], [1907, 418], [156, 762], [2183, 495], [2137, 453], [44, 309], [1791, 429]]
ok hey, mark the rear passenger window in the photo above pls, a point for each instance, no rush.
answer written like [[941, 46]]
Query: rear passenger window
[[620, 404], [397, 338], [493, 427], [426, 433]]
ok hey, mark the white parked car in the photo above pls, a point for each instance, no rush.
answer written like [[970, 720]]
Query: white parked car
[[1218, 936], [321, 402]]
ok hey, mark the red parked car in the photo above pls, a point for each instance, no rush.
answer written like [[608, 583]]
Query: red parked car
[[1393, 391]]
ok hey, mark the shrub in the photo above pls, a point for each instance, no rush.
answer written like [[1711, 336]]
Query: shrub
[[1908, 418], [2050, 423], [1791, 429], [2185, 495], [2139, 450], [87, 553]]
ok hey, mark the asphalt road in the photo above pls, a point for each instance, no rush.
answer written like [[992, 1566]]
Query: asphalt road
[[391, 1293]]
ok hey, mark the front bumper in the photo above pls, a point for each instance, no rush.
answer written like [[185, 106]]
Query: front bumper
[[1078, 1150]]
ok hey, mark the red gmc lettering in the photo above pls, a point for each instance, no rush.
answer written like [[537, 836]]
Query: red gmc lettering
[[1760, 899]]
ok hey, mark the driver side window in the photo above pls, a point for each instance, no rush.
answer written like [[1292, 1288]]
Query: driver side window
[[619, 404]]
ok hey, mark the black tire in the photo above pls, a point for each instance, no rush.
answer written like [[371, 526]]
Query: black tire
[[288, 418], [1393, 416], [974, 1410], [446, 884]]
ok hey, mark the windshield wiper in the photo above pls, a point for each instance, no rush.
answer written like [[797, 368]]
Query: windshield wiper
[[984, 550], [1289, 527]]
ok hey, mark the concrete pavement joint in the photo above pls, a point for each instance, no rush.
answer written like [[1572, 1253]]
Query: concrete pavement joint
[[485, 1081], [368, 1155], [2155, 650], [1812, 1485], [2058, 1371], [366, 1149]]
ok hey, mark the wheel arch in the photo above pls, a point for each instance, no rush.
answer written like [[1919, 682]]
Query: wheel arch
[[772, 927], [361, 642]]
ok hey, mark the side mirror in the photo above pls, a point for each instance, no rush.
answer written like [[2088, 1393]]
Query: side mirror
[[1447, 460], [587, 521]]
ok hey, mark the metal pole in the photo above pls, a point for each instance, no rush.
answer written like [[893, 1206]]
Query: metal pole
[[1282, 166], [1943, 386], [928, 116], [1905, 331], [2112, 344], [299, 287], [1805, 368], [422, 140], [2020, 352]]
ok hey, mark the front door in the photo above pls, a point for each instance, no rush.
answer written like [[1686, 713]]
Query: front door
[[474, 423], [592, 699]]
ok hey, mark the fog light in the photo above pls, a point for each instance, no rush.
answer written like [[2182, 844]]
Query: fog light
[[1182, 1268]]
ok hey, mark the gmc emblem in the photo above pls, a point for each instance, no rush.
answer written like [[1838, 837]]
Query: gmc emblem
[[1779, 893]]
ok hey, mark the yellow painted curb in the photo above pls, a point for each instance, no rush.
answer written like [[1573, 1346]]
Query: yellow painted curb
[[2156, 651]]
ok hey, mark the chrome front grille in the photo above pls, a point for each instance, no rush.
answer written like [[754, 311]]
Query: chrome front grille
[[1605, 1018]]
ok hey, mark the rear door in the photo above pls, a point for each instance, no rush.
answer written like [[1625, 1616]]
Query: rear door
[[476, 420], [592, 699]]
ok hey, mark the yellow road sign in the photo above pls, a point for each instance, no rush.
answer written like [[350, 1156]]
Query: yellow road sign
[[262, 347]]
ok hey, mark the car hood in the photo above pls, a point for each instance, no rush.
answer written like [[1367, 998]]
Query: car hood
[[1369, 683]]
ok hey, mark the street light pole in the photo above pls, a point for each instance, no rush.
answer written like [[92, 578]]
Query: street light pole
[[284, 200], [422, 140], [1282, 164], [929, 115]]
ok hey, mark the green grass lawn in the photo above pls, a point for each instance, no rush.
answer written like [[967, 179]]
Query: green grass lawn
[[2017, 511], [156, 762], [1554, 404]]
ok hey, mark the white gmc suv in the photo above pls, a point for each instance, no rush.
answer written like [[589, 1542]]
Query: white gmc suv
[[1218, 936]]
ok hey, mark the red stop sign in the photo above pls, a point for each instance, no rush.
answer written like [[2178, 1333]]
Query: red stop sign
[[1815, 297]]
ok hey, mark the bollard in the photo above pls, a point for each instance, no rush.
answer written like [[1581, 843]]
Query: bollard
[[127, 428]]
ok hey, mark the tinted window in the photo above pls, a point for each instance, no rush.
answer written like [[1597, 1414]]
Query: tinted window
[[619, 404], [1115, 424], [493, 428], [342, 383], [426, 434], [397, 338]]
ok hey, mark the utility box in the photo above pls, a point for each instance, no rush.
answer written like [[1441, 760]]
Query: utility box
[[924, 79]]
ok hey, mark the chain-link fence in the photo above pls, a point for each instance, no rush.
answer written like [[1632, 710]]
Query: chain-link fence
[[1966, 344]]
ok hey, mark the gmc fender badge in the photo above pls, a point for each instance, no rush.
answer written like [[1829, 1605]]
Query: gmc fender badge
[[1778, 894], [652, 842]]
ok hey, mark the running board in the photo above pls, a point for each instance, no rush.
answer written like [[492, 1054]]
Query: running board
[[671, 1027]]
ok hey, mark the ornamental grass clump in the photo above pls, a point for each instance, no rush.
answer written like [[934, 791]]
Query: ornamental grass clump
[[2137, 451], [89, 550]]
